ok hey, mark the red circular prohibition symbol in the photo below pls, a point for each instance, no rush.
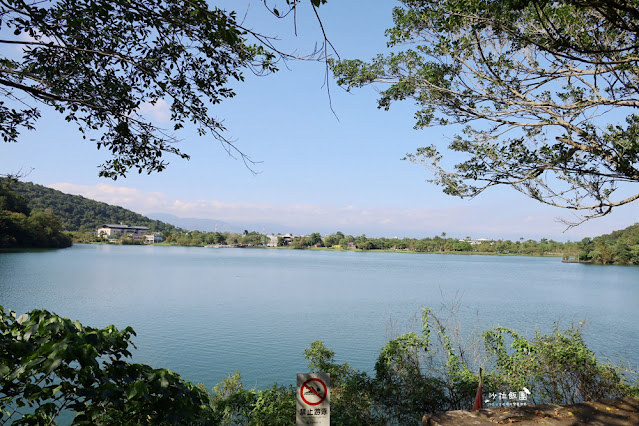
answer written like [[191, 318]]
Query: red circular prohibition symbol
[[315, 392]]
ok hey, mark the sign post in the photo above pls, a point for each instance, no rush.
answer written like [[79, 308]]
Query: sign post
[[313, 399]]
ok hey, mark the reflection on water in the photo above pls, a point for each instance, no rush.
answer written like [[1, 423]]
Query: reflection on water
[[207, 312]]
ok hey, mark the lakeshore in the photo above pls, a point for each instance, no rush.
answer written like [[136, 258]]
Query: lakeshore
[[618, 248]]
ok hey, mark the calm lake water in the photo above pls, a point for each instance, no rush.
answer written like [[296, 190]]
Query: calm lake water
[[205, 313]]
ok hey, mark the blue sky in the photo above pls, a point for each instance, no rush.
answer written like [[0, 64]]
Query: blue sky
[[317, 172]]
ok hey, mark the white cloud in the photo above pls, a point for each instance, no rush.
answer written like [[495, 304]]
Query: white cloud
[[159, 111], [39, 37], [25, 42]]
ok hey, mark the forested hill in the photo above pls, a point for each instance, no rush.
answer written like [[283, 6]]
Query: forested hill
[[82, 214], [629, 236], [620, 247]]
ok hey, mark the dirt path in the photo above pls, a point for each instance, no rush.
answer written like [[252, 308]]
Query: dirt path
[[609, 412]]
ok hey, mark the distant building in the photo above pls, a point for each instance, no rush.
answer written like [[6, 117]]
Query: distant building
[[272, 241], [116, 231], [287, 239], [480, 240], [153, 238]]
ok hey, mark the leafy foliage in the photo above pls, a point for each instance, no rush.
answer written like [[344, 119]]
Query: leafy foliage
[[532, 88], [21, 227], [619, 247], [300, 242], [558, 366], [444, 244], [98, 63], [49, 364], [233, 404], [416, 374]]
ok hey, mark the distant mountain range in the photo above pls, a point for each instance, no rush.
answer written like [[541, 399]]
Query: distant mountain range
[[192, 224], [208, 225]]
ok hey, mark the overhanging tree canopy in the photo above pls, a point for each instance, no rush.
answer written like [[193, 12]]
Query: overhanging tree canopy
[[543, 93], [97, 62]]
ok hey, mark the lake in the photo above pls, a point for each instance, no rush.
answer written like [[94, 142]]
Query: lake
[[205, 313]]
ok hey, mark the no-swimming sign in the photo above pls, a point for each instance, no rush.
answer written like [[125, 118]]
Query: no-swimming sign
[[313, 399]]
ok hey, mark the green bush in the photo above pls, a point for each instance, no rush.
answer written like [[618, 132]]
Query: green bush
[[558, 366], [49, 364]]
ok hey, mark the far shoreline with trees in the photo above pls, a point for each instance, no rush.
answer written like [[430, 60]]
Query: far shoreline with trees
[[618, 248], [79, 217]]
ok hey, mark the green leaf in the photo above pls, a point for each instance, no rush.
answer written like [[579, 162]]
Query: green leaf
[[17, 372], [131, 392], [138, 388], [30, 332], [141, 388], [56, 390], [51, 364], [4, 370]]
